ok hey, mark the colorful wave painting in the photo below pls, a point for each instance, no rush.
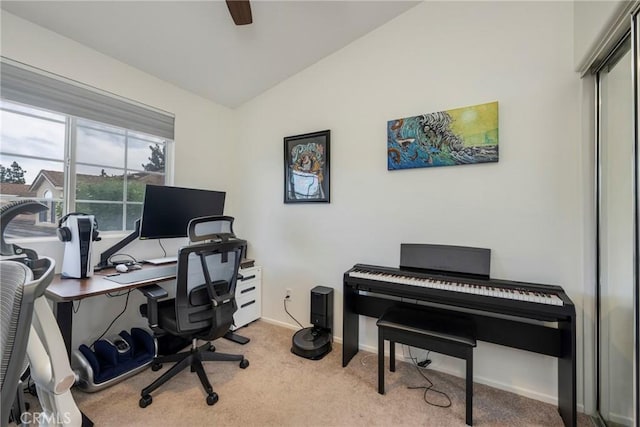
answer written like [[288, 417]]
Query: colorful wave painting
[[447, 138]]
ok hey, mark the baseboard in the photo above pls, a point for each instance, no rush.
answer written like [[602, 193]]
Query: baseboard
[[292, 327], [279, 323], [620, 419]]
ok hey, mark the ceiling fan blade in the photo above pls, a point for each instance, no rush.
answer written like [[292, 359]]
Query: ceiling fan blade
[[240, 11]]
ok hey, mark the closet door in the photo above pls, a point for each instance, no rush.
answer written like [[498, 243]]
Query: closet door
[[635, 74], [617, 260]]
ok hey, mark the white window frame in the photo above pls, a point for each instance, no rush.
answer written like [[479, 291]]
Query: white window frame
[[69, 164]]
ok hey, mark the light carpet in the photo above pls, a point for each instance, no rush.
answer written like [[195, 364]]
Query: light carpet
[[281, 389]]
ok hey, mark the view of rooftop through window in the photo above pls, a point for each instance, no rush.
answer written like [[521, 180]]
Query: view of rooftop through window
[[74, 165]]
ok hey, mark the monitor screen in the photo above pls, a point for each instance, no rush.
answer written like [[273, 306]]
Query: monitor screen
[[167, 210]]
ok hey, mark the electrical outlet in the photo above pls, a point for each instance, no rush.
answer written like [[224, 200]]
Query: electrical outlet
[[288, 293]]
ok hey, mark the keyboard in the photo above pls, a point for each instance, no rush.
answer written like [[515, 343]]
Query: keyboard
[[517, 293], [529, 300], [148, 274], [503, 312], [165, 260]]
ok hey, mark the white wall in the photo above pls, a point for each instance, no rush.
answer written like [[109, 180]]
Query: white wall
[[202, 128], [202, 149], [526, 208]]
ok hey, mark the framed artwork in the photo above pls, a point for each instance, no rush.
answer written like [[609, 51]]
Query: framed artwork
[[446, 138], [306, 167]]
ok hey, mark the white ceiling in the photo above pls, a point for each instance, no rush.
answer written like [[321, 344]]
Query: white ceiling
[[196, 46]]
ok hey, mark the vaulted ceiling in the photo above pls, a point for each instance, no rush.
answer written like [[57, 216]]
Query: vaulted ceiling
[[196, 46]]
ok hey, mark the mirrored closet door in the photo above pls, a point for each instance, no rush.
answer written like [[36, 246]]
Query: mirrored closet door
[[617, 237]]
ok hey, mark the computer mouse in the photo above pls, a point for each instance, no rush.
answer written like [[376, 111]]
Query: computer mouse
[[122, 268]]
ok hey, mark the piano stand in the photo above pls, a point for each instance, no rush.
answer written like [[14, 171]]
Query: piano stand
[[558, 342], [419, 328]]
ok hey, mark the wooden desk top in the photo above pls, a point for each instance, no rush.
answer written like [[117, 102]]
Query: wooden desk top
[[66, 289]]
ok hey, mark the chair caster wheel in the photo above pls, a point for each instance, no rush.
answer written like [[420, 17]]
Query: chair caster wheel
[[145, 401], [212, 399], [244, 363], [156, 366]]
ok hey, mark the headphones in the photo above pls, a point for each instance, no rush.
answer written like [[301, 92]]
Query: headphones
[[64, 233]]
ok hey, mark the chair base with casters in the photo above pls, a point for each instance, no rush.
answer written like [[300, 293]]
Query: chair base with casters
[[192, 358]]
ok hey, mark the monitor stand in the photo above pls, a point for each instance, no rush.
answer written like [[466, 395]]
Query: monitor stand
[[106, 255]]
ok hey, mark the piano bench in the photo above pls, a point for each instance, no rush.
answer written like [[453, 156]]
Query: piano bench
[[445, 334]]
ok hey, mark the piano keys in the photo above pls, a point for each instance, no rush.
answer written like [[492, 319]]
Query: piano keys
[[528, 300], [515, 292]]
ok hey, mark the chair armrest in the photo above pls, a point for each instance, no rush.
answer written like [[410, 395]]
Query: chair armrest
[[153, 294]]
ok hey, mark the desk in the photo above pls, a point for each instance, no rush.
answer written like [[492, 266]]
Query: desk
[[63, 292]]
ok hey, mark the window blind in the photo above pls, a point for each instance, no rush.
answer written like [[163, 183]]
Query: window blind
[[38, 89]]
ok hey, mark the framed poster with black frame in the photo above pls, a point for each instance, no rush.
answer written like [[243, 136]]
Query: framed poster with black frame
[[306, 168]]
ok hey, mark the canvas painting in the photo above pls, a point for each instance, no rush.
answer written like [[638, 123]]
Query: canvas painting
[[447, 138]]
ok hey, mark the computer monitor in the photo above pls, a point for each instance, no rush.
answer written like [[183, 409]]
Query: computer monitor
[[166, 211]]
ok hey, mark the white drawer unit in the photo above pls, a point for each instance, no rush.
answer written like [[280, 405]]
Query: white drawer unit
[[248, 297]]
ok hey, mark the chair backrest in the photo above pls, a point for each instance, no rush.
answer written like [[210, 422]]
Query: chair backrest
[[211, 228], [205, 287], [19, 288]]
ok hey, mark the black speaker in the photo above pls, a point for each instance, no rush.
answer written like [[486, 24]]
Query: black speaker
[[322, 307]]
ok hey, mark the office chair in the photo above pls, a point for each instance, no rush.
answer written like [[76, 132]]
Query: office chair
[[18, 292], [202, 309], [29, 331]]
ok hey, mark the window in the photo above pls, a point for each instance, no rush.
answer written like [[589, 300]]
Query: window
[[75, 165], [113, 165], [76, 149]]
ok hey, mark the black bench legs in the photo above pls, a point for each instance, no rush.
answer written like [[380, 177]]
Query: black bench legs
[[452, 336]]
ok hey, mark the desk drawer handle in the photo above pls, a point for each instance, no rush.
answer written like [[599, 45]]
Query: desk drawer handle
[[253, 276], [247, 304], [253, 288]]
